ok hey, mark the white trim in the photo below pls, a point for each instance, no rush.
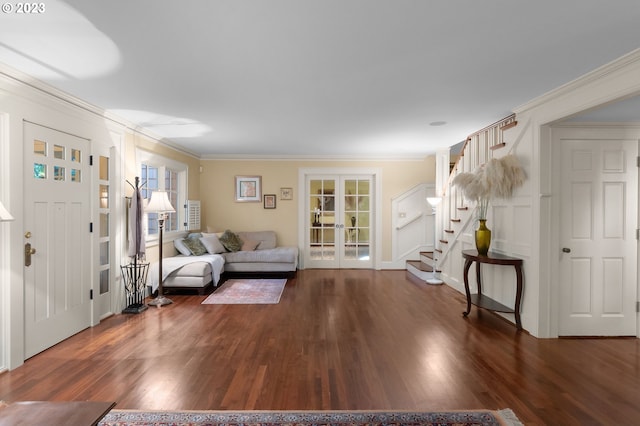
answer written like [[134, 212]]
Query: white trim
[[5, 276]]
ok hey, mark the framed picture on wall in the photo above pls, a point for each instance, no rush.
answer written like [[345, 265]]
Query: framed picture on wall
[[286, 193], [269, 201], [248, 188]]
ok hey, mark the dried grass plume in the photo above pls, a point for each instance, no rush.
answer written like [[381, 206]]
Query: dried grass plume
[[498, 178]]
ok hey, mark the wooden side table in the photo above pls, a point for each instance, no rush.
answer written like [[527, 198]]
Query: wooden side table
[[483, 301], [77, 413]]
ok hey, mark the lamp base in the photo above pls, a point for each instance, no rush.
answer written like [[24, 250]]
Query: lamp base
[[160, 301], [434, 280]]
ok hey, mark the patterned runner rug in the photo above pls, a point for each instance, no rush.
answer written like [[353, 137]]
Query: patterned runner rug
[[316, 418], [247, 292]]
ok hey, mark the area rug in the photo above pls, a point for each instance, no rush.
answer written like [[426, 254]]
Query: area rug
[[247, 292], [309, 418]]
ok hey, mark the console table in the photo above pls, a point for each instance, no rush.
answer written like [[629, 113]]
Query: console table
[[483, 301], [77, 413]]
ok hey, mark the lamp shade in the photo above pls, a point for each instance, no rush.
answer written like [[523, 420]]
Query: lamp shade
[[434, 201], [5, 216], [159, 203]]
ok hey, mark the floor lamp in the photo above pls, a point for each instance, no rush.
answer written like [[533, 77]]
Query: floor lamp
[[434, 201], [161, 205]]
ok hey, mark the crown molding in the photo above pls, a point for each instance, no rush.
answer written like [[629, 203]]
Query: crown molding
[[309, 158], [631, 59], [20, 78]]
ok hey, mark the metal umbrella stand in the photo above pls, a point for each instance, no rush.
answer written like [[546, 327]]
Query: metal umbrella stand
[[135, 281], [134, 274]]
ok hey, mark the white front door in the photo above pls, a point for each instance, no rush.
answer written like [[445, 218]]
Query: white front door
[[57, 269], [340, 221], [598, 283]]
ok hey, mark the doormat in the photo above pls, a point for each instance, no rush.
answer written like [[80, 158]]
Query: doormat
[[504, 417], [247, 292]]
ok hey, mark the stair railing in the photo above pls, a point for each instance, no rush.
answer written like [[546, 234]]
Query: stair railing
[[457, 213]]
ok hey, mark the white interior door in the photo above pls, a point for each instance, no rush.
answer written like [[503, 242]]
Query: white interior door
[[57, 217], [340, 221], [599, 248]]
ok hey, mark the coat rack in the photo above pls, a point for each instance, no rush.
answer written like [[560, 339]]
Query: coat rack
[[135, 273]]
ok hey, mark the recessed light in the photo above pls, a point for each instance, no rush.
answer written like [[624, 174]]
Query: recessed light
[[437, 123]]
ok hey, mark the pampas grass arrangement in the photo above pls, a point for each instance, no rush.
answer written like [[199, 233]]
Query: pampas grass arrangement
[[497, 178]]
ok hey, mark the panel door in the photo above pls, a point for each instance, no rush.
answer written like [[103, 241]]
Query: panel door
[[57, 269], [599, 247]]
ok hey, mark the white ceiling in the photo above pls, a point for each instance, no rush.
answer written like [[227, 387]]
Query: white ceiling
[[322, 78]]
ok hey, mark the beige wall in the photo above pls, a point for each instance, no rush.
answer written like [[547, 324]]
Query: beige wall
[[220, 211]]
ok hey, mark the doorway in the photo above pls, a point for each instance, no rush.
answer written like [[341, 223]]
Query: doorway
[[339, 220], [598, 249], [57, 241]]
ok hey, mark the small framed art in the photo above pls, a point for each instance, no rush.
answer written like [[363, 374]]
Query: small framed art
[[248, 188], [286, 193], [269, 201]]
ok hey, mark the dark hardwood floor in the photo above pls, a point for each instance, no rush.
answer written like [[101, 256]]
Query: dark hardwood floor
[[338, 340]]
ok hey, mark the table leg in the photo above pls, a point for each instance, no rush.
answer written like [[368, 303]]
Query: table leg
[[467, 265], [478, 279], [518, 295]]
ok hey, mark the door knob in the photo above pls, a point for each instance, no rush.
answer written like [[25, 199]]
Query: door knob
[[566, 250], [28, 251]]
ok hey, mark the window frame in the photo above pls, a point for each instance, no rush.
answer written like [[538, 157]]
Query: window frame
[[163, 163]]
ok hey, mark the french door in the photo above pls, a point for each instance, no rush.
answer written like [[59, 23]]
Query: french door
[[339, 218]]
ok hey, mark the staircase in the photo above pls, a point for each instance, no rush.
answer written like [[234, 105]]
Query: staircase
[[454, 214]]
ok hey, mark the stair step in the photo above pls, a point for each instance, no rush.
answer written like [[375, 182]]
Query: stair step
[[428, 254], [421, 266], [498, 146], [444, 241], [438, 250], [456, 220], [449, 231], [463, 208]]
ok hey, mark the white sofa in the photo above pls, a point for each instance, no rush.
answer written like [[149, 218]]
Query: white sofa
[[266, 257], [200, 265]]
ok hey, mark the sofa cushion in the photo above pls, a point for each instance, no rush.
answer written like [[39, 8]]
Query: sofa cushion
[[195, 246], [249, 245], [267, 239], [182, 249], [278, 254], [212, 244], [231, 241]]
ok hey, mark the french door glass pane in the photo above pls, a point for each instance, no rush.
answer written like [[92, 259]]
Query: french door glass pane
[[356, 219], [322, 219]]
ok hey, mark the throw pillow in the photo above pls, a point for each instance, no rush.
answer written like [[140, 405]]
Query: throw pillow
[[231, 241], [212, 244], [249, 245], [182, 249], [195, 246]]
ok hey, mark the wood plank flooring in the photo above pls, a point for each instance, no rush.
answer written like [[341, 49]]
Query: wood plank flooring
[[338, 340]]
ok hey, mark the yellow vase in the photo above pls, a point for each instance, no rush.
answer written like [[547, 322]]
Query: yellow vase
[[483, 238]]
